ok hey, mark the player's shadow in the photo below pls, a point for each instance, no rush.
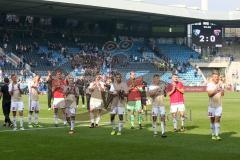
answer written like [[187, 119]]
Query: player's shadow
[[187, 127], [191, 127]]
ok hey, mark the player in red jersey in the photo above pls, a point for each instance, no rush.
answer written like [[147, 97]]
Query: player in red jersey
[[58, 84], [175, 90]]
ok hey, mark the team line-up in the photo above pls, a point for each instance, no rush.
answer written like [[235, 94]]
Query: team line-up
[[132, 94]]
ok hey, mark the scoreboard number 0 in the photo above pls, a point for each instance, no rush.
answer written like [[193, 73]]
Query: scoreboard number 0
[[212, 38]]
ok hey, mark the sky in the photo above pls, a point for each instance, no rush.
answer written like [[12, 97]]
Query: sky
[[213, 5]]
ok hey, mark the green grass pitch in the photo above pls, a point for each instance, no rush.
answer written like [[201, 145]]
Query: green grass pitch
[[53, 143]]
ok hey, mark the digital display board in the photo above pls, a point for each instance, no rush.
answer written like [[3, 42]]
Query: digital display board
[[207, 35]]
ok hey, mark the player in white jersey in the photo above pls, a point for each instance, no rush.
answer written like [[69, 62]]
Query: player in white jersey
[[119, 91], [157, 92], [16, 101], [71, 93], [34, 101], [215, 92], [96, 88]]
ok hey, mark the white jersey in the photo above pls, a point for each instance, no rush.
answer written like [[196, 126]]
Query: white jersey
[[115, 87], [33, 91], [96, 91], [216, 100], [158, 99], [71, 93], [16, 97]]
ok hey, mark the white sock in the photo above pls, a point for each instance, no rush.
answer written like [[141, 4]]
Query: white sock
[[72, 124], [98, 119], [92, 117], [163, 127], [120, 125], [64, 119], [36, 118], [212, 126], [154, 126], [175, 123], [30, 118], [15, 121], [217, 128], [56, 118], [183, 120], [113, 125], [21, 121]]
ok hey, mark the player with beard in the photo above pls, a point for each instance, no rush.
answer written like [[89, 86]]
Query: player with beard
[[119, 91]]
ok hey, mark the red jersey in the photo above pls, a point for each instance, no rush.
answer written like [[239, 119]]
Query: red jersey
[[59, 91], [134, 93], [176, 97]]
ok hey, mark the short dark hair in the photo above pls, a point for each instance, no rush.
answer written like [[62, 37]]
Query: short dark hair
[[118, 74], [156, 75], [6, 80], [216, 72], [174, 74], [58, 70]]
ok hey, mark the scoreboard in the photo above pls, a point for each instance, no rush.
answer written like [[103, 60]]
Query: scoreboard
[[207, 35]]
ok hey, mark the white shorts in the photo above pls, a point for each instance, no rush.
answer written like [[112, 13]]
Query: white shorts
[[177, 108], [34, 106], [17, 106], [117, 110], [95, 103], [71, 111], [58, 103], [158, 111], [215, 112], [70, 103]]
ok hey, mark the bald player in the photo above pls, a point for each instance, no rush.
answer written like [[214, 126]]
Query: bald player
[[215, 92]]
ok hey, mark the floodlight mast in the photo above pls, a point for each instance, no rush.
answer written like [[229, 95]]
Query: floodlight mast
[[204, 5]]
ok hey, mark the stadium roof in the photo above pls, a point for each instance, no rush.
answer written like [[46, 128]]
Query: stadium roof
[[117, 9]]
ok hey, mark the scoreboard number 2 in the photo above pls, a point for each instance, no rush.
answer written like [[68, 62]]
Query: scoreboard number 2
[[201, 38]]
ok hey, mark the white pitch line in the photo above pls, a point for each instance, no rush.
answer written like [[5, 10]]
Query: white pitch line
[[1, 116], [45, 118], [44, 128]]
